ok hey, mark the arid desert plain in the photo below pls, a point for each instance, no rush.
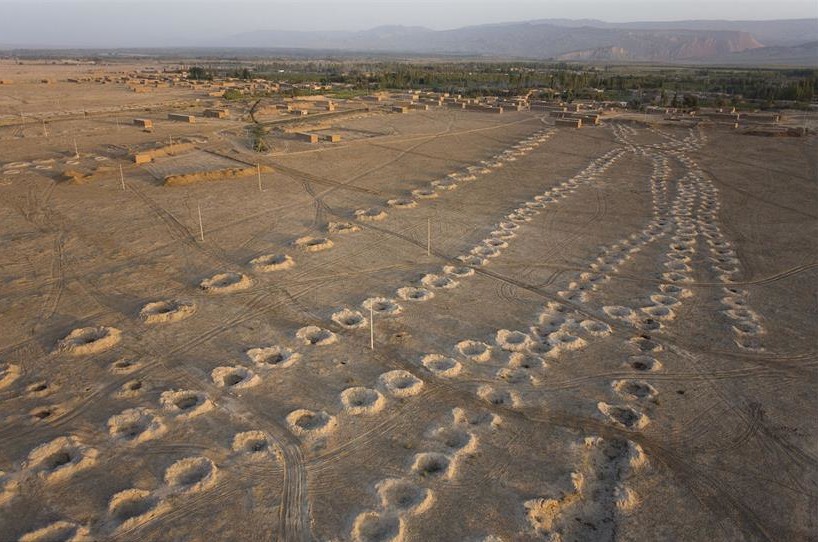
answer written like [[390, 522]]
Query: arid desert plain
[[448, 325]]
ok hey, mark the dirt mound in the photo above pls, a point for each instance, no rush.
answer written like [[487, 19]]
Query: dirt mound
[[343, 227], [313, 244], [350, 319], [9, 373], [410, 293], [254, 443], [273, 356], [90, 340], [513, 341], [402, 203], [425, 193], [432, 464], [360, 400], [375, 214], [191, 474], [308, 423], [131, 388], [236, 377], [625, 416], [59, 531], [60, 459], [401, 383], [225, 283], [439, 282], [403, 496], [474, 350], [185, 404], [496, 396], [316, 336], [132, 507], [135, 425], [441, 365], [459, 271], [161, 312], [377, 527], [272, 262], [382, 306]]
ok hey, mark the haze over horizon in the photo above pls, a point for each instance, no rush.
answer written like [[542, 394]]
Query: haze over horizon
[[128, 23]]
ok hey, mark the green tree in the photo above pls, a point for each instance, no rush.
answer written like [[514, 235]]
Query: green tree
[[690, 101], [197, 73]]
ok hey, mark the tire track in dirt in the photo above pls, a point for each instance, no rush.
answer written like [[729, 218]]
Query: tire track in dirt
[[38, 213], [335, 185], [757, 197], [506, 291], [57, 284], [177, 230]]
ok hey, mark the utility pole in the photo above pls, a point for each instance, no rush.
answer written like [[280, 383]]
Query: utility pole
[[428, 236], [371, 328], [201, 226]]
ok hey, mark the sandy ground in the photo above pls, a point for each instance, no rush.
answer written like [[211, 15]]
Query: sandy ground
[[611, 336]]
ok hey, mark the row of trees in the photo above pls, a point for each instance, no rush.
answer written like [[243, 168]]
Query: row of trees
[[562, 80]]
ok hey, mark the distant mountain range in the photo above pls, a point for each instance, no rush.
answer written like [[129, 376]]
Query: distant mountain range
[[770, 33], [778, 42], [570, 40]]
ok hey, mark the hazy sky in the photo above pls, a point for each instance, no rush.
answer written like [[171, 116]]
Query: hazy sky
[[185, 22]]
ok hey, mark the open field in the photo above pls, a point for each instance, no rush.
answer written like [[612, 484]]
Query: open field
[[448, 326]]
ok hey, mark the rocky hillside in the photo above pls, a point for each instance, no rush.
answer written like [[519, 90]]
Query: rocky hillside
[[669, 46], [536, 40]]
